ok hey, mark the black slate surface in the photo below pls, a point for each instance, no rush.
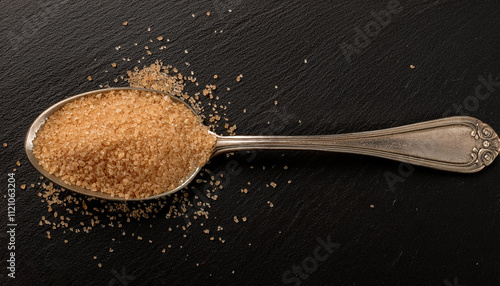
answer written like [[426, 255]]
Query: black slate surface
[[428, 228]]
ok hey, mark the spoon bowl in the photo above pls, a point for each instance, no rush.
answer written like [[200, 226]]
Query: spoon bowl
[[40, 120]]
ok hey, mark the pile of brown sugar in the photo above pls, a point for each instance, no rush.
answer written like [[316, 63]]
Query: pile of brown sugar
[[131, 144]]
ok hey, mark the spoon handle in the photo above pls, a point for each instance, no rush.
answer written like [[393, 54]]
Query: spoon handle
[[458, 144]]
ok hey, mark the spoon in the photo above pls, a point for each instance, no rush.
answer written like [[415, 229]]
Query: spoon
[[458, 144]]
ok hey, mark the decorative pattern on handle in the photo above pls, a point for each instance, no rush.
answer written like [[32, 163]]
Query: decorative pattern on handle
[[457, 144], [486, 154]]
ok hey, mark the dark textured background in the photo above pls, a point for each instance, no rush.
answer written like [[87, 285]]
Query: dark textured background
[[431, 228]]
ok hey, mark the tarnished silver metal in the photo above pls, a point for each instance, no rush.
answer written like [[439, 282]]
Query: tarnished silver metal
[[458, 144]]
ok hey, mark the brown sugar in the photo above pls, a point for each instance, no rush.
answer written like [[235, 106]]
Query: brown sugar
[[131, 144]]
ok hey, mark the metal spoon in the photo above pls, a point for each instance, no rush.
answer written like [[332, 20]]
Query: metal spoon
[[457, 144]]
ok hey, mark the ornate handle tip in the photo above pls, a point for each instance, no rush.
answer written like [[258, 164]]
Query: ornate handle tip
[[490, 144]]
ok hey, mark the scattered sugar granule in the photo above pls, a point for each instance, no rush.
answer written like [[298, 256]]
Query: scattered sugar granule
[[163, 250], [4, 144], [208, 13], [100, 265], [236, 219], [273, 184], [372, 206], [23, 186], [113, 65], [238, 78], [111, 250], [305, 61], [412, 66], [159, 38], [275, 102], [89, 78], [270, 204], [285, 168], [244, 218], [215, 76], [18, 163], [125, 23]]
